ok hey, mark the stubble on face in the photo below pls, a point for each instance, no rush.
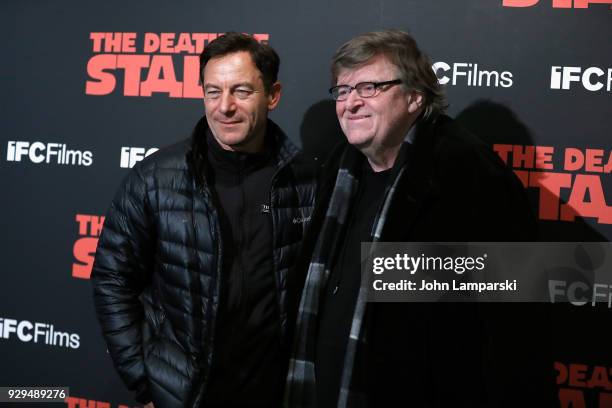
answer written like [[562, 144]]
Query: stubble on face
[[237, 123]]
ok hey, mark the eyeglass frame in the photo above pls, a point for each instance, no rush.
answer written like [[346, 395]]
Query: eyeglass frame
[[377, 85]]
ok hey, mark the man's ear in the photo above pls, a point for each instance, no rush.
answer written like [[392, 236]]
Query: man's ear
[[415, 101], [274, 95]]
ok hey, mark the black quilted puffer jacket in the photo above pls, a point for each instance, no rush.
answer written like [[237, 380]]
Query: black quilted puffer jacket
[[156, 275]]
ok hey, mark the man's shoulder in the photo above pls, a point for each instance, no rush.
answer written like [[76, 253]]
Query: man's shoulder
[[451, 144], [332, 161], [167, 168], [304, 167], [449, 136], [173, 156]]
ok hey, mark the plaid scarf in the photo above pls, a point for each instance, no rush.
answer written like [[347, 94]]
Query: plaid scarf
[[301, 382]]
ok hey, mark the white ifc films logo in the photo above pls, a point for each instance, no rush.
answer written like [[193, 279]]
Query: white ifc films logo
[[592, 78], [36, 332], [48, 153], [132, 155], [471, 74]]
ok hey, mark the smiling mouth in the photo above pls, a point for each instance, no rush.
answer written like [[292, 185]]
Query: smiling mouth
[[359, 117], [229, 123]]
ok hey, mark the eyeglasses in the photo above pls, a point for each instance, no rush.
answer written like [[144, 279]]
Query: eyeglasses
[[364, 89]]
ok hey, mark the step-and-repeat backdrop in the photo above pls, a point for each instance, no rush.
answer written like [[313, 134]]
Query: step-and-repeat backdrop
[[91, 88]]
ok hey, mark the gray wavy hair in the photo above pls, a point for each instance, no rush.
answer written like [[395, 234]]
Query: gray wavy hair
[[414, 67]]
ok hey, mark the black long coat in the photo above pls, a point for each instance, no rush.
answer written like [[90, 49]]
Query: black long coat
[[454, 189]]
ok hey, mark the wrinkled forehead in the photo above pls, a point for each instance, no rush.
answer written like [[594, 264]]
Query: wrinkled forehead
[[235, 67], [376, 69]]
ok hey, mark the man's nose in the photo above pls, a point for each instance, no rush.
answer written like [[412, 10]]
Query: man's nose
[[227, 103], [353, 101]]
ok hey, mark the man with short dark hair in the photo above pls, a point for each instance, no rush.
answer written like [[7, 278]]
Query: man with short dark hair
[[191, 268], [407, 174]]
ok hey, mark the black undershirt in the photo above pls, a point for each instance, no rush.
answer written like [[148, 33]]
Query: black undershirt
[[247, 368], [336, 314]]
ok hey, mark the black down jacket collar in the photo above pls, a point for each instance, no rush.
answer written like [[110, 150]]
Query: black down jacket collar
[[284, 152]]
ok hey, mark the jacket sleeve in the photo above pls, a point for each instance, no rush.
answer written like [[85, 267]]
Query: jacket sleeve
[[121, 270]]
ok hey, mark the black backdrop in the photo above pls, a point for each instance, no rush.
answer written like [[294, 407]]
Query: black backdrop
[[543, 78]]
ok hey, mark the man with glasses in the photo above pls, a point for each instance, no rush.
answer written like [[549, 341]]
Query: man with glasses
[[191, 269], [408, 173]]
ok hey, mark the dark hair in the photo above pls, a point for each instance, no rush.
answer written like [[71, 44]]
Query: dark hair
[[265, 58], [413, 66]]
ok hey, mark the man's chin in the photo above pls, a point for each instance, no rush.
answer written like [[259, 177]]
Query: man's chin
[[231, 141], [229, 135], [360, 142]]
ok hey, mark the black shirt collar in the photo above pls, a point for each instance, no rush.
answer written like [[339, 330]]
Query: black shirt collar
[[220, 158]]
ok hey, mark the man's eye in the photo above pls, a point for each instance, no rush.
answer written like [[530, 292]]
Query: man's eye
[[242, 93], [213, 94], [369, 87], [343, 91]]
